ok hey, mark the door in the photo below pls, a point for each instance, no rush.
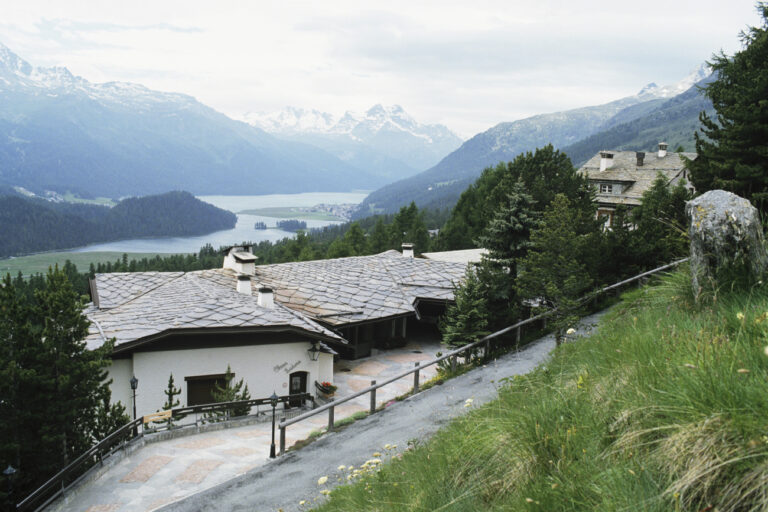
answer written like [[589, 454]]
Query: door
[[297, 383]]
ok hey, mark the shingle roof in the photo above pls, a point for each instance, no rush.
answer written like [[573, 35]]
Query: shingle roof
[[360, 288], [624, 170], [182, 301], [335, 291]]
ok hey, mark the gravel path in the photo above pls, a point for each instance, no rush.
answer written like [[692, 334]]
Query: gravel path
[[284, 482]]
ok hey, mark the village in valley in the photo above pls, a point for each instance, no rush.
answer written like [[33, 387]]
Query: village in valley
[[368, 312]]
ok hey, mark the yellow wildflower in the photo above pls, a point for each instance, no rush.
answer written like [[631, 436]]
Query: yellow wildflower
[[325, 492], [302, 503], [570, 331], [341, 468], [322, 480], [740, 316], [376, 454]]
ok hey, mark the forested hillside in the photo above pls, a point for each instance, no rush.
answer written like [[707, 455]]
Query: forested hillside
[[31, 225]]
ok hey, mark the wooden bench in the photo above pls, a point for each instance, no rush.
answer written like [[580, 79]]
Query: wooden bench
[[157, 416]]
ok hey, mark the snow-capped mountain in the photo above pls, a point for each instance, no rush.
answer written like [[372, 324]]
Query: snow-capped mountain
[[667, 91], [385, 136], [60, 132], [674, 107]]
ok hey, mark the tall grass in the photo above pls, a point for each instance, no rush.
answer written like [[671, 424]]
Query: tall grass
[[664, 408]]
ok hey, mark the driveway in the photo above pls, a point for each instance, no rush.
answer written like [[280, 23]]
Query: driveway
[[163, 472], [283, 483]]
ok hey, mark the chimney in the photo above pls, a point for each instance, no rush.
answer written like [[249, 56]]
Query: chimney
[[662, 149], [266, 298], [640, 157], [244, 284], [408, 250], [606, 160], [240, 259]]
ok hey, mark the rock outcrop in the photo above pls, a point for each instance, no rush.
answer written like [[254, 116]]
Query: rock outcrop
[[726, 235]]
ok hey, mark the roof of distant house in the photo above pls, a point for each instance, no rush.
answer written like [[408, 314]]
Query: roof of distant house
[[637, 179]]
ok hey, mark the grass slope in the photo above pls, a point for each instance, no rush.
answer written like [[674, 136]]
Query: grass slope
[[664, 408], [40, 262]]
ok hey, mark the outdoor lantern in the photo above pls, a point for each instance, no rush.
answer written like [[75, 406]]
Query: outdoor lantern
[[313, 352], [273, 401], [134, 383], [9, 471]]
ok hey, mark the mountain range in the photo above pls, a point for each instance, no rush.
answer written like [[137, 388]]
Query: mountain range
[[385, 140], [60, 132], [638, 122]]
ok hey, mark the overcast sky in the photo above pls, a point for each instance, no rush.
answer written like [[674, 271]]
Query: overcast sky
[[468, 64]]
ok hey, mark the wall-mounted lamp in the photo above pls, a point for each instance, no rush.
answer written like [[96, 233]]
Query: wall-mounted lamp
[[314, 352]]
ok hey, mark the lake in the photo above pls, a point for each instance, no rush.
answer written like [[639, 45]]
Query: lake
[[243, 230]]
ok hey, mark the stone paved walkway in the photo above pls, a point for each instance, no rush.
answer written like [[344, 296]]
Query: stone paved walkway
[[164, 472]]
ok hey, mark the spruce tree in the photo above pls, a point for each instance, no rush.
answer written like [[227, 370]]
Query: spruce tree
[[507, 239], [232, 393], [733, 148], [552, 273], [171, 392], [466, 320]]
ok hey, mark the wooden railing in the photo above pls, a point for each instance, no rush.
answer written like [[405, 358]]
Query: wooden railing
[[484, 343], [125, 435]]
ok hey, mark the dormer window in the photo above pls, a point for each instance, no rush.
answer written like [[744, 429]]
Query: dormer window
[[606, 188]]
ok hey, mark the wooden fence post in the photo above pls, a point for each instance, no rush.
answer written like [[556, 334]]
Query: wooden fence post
[[453, 363], [373, 397], [416, 378], [282, 440], [330, 418]]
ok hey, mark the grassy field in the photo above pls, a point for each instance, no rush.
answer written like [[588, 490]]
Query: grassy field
[[104, 201], [290, 212], [665, 408], [40, 262]]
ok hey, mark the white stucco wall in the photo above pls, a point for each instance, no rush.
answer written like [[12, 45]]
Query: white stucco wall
[[121, 372], [265, 368], [325, 363]]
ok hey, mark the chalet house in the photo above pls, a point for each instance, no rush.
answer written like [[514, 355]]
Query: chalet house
[[621, 177], [277, 326]]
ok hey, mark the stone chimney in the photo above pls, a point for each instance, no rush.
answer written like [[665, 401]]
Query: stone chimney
[[408, 250], [662, 149], [606, 160], [244, 284], [640, 157], [240, 259], [266, 298]]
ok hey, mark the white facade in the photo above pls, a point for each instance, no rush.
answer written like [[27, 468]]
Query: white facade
[[264, 368]]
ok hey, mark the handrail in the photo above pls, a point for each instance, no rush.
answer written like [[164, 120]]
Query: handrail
[[130, 430], [283, 424]]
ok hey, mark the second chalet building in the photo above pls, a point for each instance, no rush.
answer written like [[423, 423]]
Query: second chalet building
[[621, 177], [278, 327]]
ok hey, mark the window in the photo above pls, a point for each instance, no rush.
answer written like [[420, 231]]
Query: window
[[200, 388], [606, 188]]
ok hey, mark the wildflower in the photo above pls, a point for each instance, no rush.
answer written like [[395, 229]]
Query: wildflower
[[376, 454], [689, 365], [468, 402], [742, 370], [322, 480], [302, 503], [570, 331], [342, 467], [740, 316], [528, 500], [766, 350], [325, 492], [555, 486], [387, 446]]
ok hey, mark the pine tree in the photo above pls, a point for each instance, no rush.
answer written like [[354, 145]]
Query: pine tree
[[507, 238], [733, 148], [466, 320], [171, 392], [379, 241], [355, 239], [230, 393], [552, 272]]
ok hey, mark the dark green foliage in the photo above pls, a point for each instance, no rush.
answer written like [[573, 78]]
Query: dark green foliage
[[232, 393], [53, 393], [733, 146], [466, 321], [171, 392], [553, 271], [543, 173], [31, 225], [292, 225], [507, 238]]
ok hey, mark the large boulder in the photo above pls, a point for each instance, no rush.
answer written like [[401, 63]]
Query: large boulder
[[726, 237]]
